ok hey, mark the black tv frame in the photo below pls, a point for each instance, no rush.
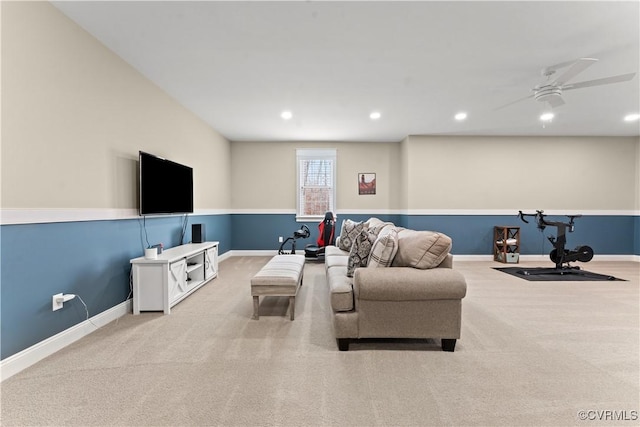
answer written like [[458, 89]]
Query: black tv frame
[[165, 187]]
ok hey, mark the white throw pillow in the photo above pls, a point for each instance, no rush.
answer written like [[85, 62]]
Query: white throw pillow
[[384, 249]]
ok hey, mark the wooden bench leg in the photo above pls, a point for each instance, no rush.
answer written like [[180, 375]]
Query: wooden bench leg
[[292, 306], [256, 303]]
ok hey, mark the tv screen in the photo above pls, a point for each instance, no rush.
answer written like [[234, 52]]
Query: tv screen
[[166, 187]]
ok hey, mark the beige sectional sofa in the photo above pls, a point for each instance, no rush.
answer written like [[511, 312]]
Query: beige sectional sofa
[[402, 284]]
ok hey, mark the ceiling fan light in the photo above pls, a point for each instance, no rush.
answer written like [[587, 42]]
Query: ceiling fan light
[[546, 117], [632, 117], [460, 116]]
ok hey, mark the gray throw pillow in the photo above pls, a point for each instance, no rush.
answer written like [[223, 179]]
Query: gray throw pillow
[[350, 230], [359, 254]]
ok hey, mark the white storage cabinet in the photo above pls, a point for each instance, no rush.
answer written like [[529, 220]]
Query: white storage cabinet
[[161, 283]]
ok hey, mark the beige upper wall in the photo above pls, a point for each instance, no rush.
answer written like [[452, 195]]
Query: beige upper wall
[[74, 116], [383, 159], [263, 174], [576, 173], [404, 173], [448, 173]]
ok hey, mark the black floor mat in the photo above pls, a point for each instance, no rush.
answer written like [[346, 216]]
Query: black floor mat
[[540, 274]]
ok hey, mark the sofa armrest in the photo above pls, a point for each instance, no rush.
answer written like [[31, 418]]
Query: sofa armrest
[[447, 262], [408, 284]]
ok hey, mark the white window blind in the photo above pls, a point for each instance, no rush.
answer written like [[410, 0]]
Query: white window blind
[[316, 183]]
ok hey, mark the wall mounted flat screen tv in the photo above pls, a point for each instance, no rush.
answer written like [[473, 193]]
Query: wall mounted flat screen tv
[[166, 187]]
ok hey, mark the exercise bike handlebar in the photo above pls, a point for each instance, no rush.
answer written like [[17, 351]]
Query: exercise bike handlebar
[[539, 215], [542, 222]]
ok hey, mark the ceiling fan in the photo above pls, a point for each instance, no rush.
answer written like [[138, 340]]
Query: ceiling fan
[[551, 90]]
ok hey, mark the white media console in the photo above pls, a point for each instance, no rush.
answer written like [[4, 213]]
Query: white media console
[[161, 283]]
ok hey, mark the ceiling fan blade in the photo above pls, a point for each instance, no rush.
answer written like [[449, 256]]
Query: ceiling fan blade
[[554, 68], [579, 66], [555, 101], [599, 82], [512, 102]]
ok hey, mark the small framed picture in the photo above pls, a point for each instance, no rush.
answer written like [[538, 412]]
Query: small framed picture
[[366, 183]]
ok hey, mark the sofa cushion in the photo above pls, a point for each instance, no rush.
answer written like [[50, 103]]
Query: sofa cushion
[[333, 261], [330, 251], [384, 249], [408, 284], [349, 232], [340, 289], [373, 222], [360, 250], [381, 228], [421, 249]]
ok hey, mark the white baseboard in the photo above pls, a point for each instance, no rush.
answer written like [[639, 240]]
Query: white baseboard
[[456, 257], [29, 356], [635, 258], [267, 252], [463, 257], [595, 258], [460, 257], [545, 258]]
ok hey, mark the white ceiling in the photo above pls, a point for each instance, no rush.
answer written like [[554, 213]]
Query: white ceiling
[[238, 65]]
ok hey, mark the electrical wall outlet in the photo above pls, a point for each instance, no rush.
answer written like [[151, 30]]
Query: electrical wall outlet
[[57, 301], [280, 239]]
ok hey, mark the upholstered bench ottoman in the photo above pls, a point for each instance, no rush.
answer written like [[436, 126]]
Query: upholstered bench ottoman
[[281, 276]]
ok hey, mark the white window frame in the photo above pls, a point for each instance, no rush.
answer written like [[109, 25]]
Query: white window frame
[[305, 154]]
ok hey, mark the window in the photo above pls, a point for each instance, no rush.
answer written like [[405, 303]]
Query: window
[[316, 183]]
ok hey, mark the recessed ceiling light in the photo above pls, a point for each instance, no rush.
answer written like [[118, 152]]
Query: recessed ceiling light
[[375, 115], [461, 116], [546, 117], [286, 115], [631, 117]]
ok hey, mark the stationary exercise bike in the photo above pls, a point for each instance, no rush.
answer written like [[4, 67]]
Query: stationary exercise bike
[[559, 255]]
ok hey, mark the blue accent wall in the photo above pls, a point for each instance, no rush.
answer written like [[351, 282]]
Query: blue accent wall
[[636, 237], [261, 231], [89, 259], [471, 234]]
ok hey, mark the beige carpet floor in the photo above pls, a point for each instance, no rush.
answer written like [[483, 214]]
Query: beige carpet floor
[[531, 353]]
